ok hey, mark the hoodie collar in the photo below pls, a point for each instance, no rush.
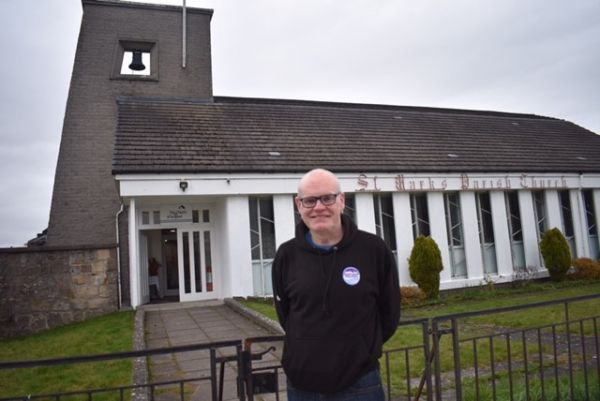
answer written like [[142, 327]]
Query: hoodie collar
[[305, 239]]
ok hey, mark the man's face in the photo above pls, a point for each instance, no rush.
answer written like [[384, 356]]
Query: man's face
[[321, 219]]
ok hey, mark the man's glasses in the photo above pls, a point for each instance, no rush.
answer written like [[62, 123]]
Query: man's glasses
[[311, 201]]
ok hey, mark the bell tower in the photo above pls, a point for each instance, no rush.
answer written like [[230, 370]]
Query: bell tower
[[124, 50]]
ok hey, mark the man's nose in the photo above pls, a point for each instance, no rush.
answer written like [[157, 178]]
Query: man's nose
[[319, 204]]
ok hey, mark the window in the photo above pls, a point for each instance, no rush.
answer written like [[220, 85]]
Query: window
[[539, 208], [262, 243], [420, 215], [136, 60], [155, 214], [515, 229], [567, 220], [350, 208], [455, 235], [384, 219], [592, 228], [514, 216], [486, 232]]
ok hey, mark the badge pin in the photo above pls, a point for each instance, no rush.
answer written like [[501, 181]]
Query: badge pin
[[351, 275]]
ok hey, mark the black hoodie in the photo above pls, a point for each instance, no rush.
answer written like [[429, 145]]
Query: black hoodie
[[337, 307]]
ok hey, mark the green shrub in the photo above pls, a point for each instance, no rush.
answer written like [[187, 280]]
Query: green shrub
[[556, 254], [585, 269], [425, 265]]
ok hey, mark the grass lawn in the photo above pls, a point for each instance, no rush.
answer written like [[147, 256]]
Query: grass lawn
[[476, 299], [105, 334], [114, 333]]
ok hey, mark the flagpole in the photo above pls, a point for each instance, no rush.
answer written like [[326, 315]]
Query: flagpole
[[183, 36]]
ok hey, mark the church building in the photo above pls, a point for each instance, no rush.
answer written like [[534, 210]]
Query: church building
[[196, 191]]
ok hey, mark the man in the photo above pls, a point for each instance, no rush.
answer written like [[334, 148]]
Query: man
[[337, 297]]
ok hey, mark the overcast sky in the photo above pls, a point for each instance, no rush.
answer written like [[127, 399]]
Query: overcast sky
[[532, 56]]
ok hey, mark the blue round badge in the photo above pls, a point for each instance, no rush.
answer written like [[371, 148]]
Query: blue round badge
[[351, 275]]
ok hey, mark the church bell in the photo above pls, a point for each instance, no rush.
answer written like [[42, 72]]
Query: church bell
[[136, 62]]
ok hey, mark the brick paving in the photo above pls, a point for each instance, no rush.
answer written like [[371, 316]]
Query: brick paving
[[168, 325]]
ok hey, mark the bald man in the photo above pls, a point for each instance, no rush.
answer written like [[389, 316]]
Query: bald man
[[337, 297]]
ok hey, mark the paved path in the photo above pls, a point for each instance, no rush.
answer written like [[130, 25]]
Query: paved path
[[168, 325]]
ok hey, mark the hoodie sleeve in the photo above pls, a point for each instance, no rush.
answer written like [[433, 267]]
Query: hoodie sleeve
[[389, 297], [280, 298]]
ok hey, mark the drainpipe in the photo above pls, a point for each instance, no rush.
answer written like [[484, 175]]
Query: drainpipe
[[118, 254]]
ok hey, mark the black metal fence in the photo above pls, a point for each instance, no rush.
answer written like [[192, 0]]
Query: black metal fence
[[494, 354]]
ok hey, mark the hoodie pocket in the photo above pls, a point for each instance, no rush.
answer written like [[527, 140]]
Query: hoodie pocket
[[325, 365]]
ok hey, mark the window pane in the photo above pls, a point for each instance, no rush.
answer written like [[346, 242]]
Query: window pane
[[565, 206], [420, 215], [197, 274], [485, 214], [588, 200], [540, 212], [350, 208], [514, 216], [208, 261], [267, 228], [186, 262], [453, 218], [145, 218]]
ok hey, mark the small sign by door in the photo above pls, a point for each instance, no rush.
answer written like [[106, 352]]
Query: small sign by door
[[175, 214]]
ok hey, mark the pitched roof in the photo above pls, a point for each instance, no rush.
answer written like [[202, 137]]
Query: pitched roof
[[242, 135]]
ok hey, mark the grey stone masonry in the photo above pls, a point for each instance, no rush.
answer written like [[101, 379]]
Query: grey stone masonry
[[85, 199], [49, 288]]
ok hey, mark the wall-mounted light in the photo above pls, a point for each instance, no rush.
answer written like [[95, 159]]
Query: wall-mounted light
[[183, 185]]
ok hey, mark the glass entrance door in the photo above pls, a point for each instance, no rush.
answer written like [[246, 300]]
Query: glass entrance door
[[194, 247]]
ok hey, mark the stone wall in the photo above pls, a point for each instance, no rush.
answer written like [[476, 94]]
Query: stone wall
[[49, 287]]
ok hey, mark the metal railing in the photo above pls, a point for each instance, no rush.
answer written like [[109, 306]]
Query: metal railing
[[493, 354], [138, 391], [557, 360]]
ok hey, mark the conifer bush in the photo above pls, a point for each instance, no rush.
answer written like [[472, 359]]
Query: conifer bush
[[425, 265], [556, 253]]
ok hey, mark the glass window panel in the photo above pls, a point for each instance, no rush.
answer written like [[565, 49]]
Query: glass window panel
[[195, 216], [253, 206], [156, 217], [565, 206], [485, 217], [186, 262], [350, 208], [540, 212], [514, 216], [208, 261], [145, 218], [454, 223], [267, 228], [206, 216], [255, 245], [377, 207], [384, 219], [420, 215], [197, 273], [590, 214]]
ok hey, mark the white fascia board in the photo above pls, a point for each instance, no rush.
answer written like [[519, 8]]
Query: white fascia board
[[246, 184]]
